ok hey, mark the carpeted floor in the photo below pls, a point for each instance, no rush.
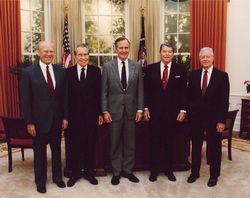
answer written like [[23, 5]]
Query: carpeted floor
[[233, 182]]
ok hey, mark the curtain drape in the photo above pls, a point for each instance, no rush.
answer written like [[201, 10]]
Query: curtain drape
[[57, 25], [10, 50], [208, 29]]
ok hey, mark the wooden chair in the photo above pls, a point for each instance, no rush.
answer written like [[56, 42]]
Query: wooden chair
[[16, 136], [227, 133]]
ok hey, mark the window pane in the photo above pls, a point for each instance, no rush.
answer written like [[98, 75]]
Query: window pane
[[171, 39], [184, 23], [25, 4], [184, 6], [26, 42], [104, 7], [37, 22], [36, 38], [92, 42], [90, 7], [118, 26], [25, 21], [171, 23], [91, 25], [93, 60], [27, 58], [104, 25], [104, 59], [118, 7], [170, 6], [105, 44], [183, 44], [37, 5]]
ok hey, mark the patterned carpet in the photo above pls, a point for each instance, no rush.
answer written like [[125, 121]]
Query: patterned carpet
[[238, 143]]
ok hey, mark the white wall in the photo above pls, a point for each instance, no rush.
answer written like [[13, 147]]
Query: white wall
[[238, 52]]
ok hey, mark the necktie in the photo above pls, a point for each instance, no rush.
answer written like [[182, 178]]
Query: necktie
[[49, 81], [124, 78], [204, 83], [82, 77], [165, 77]]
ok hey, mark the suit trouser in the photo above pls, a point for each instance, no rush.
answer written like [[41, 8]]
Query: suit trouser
[[122, 150], [83, 144], [162, 139], [40, 142], [213, 146]]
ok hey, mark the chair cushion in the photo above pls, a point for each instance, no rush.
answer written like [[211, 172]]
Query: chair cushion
[[23, 142]]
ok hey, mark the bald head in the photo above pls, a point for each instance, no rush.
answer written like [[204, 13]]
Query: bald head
[[45, 51]]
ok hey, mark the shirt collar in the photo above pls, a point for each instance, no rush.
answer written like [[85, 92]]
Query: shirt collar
[[79, 68], [209, 70], [44, 66], [120, 61], [169, 65]]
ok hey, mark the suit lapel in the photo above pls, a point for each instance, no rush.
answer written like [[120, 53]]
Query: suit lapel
[[56, 76], [39, 75], [115, 71], [131, 71]]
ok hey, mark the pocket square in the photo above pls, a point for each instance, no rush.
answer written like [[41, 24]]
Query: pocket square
[[177, 76]]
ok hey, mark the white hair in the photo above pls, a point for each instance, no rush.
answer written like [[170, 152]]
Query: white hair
[[206, 49]]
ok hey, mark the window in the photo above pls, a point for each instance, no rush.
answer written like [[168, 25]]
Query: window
[[104, 21], [32, 27], [177, 27]]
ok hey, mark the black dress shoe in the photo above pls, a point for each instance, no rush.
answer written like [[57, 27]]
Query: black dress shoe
[[192, 178], [131, 177], [170, 177], [71, 182], [153, 177], [91, 179], [212, 181], [60, 184], [115, 180], [41, 189]]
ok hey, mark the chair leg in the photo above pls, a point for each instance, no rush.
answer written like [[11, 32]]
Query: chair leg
[[230, 148], [22, 151], [10, 158]]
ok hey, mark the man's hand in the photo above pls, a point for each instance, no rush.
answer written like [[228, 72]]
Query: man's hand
[[220, 127], [107, 117], [138, 116], [100, 120], [31, 129], [146, 114], [181, 116]]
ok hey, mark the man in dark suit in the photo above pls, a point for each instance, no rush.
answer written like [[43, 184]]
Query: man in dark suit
[[44, 103], [165, 85], [84, 88], [208, 95], [122, 106]]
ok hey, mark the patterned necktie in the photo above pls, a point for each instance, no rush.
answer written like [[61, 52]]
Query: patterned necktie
[[204, 83], [165, 77], [49, 81], [82, 77], [124, 78]]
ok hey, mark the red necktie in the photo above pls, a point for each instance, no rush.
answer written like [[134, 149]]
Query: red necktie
[[165, 77], [49, 81], [204, 83]]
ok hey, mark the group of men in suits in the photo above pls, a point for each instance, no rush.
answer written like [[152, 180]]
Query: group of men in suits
[[80, 99]]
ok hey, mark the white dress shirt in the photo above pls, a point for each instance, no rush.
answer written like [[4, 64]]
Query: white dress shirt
[[209, 72], [162, 68], [120, 65], [79, 70], [51, 71]]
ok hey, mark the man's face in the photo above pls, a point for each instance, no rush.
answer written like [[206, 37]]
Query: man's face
[[46, 53], [122, 49], [166, 54], [82, 56], [206, 59]]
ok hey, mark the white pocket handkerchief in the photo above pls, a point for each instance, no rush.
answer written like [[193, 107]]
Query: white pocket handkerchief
[[177, 76]]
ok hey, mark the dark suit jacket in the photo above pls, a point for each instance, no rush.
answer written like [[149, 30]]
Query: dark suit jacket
[[166, 102], [213, 106], [38, 105], [84, 101]]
